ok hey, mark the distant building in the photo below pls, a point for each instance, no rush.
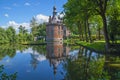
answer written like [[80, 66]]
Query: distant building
[[66, 32], [55, 29]]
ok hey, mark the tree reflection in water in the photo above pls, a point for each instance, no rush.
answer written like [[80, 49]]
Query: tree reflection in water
[[10, 50], [56, 53], [36, 57], [5, 76], [78, 63], [90, 66]]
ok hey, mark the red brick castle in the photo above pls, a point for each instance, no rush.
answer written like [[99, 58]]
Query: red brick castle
[[55, 29]]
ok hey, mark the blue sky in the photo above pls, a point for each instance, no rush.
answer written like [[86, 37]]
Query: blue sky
[[21, 11]]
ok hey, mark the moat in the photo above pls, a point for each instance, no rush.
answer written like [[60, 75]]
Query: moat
[[58, 62]]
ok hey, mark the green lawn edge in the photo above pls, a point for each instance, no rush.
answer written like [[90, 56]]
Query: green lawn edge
[[96, 45]]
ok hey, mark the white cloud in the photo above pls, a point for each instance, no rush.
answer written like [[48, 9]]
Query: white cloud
[[12, 23], [6, 15], [34, 54], [16, 25], [41, 18], [61, 15], [7, 8], [27, 4]]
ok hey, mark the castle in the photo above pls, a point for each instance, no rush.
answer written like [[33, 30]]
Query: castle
[[55, 29]]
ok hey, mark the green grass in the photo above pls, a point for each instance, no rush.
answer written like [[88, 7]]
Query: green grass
[[97, 45], [115, 65], [118, 41], [33, 42]]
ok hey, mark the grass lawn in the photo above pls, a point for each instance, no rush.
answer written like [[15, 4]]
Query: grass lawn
[[97, 45], [115, 65], [33, 42]]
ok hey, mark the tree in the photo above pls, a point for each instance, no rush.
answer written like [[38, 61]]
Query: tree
[[114, 21], [80, 11], [11, 34], [21, 29], [23, 35], [2, 35], [114, 26], [100, 6], [74, 17], [34, 26], [96, 25], [42, 30]]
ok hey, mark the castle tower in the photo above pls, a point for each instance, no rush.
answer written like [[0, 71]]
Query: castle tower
[[54, 28]]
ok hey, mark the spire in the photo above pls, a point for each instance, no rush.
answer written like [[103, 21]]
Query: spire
[[54, 11]]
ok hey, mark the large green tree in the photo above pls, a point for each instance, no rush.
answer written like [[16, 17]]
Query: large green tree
[[114, 20], [37, 29], [11, 34], [100, 6], [74, 17], [3, 36], [34, 26], [80, 11], [23, 35]]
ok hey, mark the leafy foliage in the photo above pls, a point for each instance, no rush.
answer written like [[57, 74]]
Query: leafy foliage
[[5, 76], [93, 15], [86, 66]]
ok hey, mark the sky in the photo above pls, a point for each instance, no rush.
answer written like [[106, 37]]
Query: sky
[[20, 12]]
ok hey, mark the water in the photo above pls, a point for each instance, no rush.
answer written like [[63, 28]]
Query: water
[[58, 62]]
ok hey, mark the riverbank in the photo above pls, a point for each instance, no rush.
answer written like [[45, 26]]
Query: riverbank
[[98, 46], [34, 43]]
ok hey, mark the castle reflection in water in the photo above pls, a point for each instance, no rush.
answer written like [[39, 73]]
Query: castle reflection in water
[[56, 53]]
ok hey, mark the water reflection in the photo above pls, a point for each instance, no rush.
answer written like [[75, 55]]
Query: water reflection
[[57, 61], [35, 58], [10, 50], [56, 53], [89, 65]]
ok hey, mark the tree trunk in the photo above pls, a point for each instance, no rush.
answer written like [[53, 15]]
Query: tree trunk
[[89, 33], [79, 29], [86, 37], [105, 32], [79, 33], [99, 33], [82, 36]]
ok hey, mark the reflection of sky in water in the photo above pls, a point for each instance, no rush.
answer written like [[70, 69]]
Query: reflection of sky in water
[[38, 56], [93, 55], [74, 54], [31, 65]]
